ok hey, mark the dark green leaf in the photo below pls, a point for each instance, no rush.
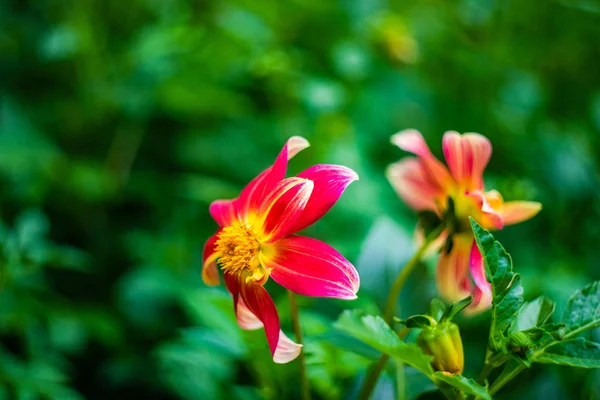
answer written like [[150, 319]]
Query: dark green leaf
[[583, 309], [416, 321], [577, 352], [454, 308], [467, 386], [373, 331]]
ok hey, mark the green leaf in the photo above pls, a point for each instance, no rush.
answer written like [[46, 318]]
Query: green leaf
[[373, 331], [506, 285], [454, 308], [583, 309], [467, 386], [577, 352], [437, 308], [416, 321], [533, 314]]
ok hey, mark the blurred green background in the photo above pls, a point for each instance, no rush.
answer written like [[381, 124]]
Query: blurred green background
[[121, 121]]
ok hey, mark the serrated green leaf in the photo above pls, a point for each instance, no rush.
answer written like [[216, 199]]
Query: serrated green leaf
[[373, 331], [466, 385], [532, 314], [583, 309], [454, 308], [577, 352], [506, 285], [507, 304]]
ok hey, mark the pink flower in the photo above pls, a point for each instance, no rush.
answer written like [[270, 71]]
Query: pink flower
[[256, 240], [425, 184]]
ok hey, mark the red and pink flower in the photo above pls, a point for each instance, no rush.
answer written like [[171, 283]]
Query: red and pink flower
[[425, 184], [256, 240]]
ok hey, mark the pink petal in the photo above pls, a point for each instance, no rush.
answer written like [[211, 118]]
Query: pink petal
[[411, 181], [330, 181], [287, 350], [224, 212], [452, 275], [310, 267], [283, 207], [477, 267], [487, 216], [210, 272], [514, 212], [252, 195], [467, 156], [412, 141], [261, 305], [482, 301]]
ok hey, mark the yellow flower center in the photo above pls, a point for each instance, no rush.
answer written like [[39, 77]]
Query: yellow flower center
[[239, 246]]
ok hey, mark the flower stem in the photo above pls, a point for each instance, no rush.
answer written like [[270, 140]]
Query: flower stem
[[298, 332], [504, 379], [390, 306], [484, 373]]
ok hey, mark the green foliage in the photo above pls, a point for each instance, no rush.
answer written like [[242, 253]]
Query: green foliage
[[506, 285], [583, 309], [466, 385], [121, 121], [455, 308], [576, 352], [524, 336], [375, 332]]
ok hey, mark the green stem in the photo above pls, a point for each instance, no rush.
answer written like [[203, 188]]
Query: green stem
[[400, 381], [390, 306], [298, 332], [371, 378], [487, 367], [392, 299], [504, 379]]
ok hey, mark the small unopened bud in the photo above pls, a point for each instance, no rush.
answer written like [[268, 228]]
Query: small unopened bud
[[444, 344], [519, 342]]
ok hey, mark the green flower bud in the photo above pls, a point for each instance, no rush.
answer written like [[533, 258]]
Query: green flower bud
[[519, 342], [443, 342]]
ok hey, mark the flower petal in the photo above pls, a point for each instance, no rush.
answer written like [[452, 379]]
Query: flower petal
[[411, 181], [330, 181], [310, 267], [252, 195], [261, 305], [514, 212], [452, 269], [210, 272], [482, 292], [477, 268], [283, 206], [412, 141], [224, 212], [486, 216], [287, 350], [467, 156]]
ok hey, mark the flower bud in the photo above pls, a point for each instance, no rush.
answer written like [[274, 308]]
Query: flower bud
[[443, 342]]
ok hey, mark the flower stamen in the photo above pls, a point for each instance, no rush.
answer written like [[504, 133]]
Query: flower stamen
[[239, 247]]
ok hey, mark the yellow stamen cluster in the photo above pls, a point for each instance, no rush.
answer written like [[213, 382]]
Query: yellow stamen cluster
[[239, 246]]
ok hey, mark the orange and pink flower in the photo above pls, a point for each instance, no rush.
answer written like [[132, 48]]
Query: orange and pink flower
[[256, 240], [454, 194]]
